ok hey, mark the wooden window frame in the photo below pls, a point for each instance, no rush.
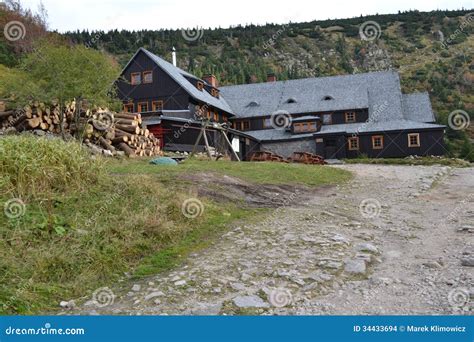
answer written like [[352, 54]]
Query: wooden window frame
[[143, 76], [248, 125], [139, 107], [127, 105], [350, 140], [374, 137], [200, 85], [215, 92], [347, 117], [264, 123], [417, 135], [224, 118], [131, 78], [156, 104], [216, 116]]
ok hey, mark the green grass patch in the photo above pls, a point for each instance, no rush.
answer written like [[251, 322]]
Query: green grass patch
[[88, 220], [253, 172], [455, 162]]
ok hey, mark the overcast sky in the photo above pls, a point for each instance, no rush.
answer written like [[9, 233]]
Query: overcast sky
[[155, 14]]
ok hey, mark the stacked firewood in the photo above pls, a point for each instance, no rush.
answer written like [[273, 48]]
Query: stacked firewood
[[99, 127]]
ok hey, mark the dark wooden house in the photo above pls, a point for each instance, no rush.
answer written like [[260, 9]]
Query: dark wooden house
[[173, 101], [335, 117]]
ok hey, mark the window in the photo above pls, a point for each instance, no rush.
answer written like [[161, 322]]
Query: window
[[350, 117], [215, 92], [327, 119], [267, 123], [414, 140], [353, 143], [147, 76], [136, 78], [377, 142], [157, 105], [128, 107], [328, 98], [216, 116], [200, 85], [246, 125], [224, 118], [209, 114], [291, 100], [304, 127], [142, 107]]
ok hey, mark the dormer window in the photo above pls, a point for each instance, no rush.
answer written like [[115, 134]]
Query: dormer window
[[291, 100], [136, 78], [215, 92], [200, 85], [328, 98], [253, 104]]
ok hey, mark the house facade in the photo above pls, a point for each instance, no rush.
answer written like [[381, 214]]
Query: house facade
[[336, 117]]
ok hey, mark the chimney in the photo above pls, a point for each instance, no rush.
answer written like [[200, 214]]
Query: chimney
[[173, 56], [271, 77], [211, 79]]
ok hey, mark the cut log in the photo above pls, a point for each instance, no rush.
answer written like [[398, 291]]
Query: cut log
[[106, 145], [129, 128], [34, 122], [128, 151]]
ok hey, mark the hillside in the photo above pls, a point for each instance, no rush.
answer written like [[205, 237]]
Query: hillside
[[410, 42], [431, 50]]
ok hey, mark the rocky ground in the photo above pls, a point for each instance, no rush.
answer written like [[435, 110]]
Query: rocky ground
[[395, 240]]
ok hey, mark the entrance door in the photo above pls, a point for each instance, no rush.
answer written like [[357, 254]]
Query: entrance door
[[330, 148]]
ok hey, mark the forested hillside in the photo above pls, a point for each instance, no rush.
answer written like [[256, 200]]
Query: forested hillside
[[432, 51]]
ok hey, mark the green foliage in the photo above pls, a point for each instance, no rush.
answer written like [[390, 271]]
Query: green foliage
[[62, 72]]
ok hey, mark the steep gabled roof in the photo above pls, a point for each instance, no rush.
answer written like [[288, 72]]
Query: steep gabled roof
[[369, 90], [417, 107], [178, 75]]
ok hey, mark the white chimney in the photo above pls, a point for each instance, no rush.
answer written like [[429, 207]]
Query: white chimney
[[173, 56]]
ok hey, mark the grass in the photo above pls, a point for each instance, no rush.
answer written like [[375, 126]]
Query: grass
[[254, 172], [87, 221], [455, 162]]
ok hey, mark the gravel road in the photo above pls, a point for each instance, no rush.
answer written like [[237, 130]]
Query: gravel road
[[395, 240]]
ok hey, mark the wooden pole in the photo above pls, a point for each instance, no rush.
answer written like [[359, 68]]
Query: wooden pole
[[231, 147], [197, 141]]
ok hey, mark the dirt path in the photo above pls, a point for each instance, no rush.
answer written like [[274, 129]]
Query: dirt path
[[400, 252]]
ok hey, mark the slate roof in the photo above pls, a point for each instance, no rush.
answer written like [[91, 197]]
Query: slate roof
[[417, 107], [178, 75], [368, 90]]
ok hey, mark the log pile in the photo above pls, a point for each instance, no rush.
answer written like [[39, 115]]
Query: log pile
[[110, 131]]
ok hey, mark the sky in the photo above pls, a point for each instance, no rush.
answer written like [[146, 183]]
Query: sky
[[67, 15]]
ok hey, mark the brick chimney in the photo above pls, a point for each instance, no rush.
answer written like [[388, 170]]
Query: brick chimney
[[271, 78], [211, 79]]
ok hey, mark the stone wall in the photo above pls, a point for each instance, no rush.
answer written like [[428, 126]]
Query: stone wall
[[286, 148]]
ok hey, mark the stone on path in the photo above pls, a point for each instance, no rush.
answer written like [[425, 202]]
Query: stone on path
[[250, 302]]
